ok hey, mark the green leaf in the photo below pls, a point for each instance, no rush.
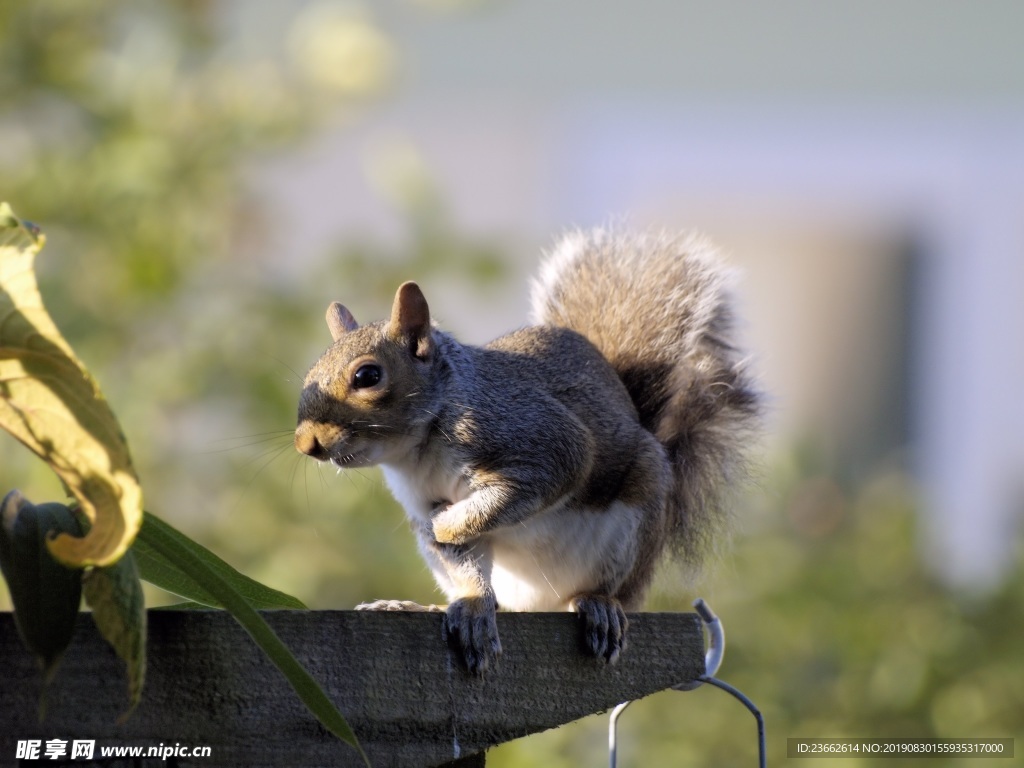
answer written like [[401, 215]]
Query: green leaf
[[183, 553], [168, 574], [50, 403], [115, 595], [188, 605], [45, 593]]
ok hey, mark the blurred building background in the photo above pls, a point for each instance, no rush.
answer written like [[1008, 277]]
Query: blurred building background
[[212, 174], [863, 164]]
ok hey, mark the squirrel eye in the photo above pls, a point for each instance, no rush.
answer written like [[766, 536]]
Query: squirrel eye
[[366, 376]]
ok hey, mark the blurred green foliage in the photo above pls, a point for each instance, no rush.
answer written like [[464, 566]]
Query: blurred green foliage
[[129, 131], [132, 132]]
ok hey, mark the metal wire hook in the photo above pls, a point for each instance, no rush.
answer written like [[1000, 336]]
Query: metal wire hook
[[712, 661], [716, 644]]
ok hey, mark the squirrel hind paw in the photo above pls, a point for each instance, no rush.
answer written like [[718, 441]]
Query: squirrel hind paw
[[399, 605], [604, 626]]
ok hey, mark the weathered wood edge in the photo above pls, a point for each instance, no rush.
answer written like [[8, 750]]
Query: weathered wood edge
[[391, 675]]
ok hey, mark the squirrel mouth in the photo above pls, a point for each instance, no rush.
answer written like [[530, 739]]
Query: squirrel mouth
[[344, 461]]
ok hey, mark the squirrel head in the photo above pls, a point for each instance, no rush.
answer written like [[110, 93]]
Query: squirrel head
[[367, 399]]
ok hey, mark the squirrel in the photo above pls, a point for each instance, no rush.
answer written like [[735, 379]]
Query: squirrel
[[553, 467]]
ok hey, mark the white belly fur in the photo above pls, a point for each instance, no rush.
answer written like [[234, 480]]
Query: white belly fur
[[545, 561]]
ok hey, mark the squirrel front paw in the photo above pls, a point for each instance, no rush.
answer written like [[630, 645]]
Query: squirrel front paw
[[472, 630], [604, 625], [449, 524]]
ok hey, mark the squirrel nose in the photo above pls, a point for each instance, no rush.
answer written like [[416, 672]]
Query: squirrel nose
[[306, 442]]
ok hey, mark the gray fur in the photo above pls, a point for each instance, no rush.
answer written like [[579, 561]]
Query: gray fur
[[551, 468], [659, 309]]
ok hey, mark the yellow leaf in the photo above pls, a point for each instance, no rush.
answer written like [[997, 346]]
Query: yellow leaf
[[50, 403], [119, 611]]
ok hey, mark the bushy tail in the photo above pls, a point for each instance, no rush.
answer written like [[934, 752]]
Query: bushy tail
[[658, 309]]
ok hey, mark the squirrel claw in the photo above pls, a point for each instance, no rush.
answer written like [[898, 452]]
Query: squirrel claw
[[605, 623], [471, 628]]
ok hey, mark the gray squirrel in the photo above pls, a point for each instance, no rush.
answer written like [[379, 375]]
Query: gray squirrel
[[552, 468]]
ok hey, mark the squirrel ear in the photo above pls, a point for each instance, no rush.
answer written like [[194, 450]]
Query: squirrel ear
[[340, 320], [410, 318]]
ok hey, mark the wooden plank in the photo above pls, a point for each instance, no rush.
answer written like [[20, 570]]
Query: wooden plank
[[393, 677]]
